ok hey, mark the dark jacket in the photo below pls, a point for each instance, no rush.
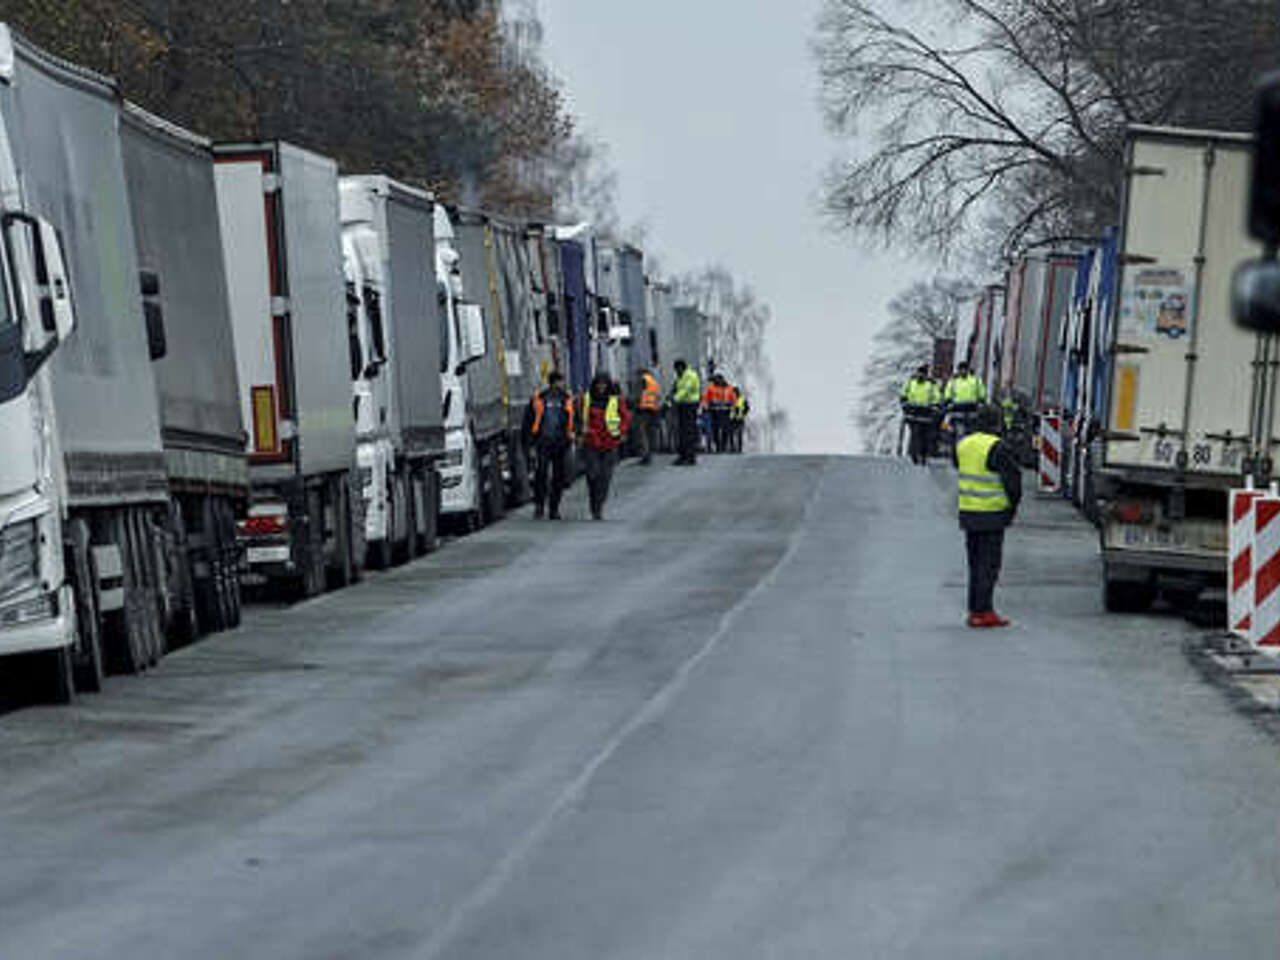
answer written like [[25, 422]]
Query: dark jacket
[[1000, 460]]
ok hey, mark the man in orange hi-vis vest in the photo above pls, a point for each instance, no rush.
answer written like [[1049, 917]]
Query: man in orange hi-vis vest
[[647, 409]]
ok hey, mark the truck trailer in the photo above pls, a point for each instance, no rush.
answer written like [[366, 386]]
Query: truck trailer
[[1187, 417], [394, 322], [174, 204], [279, 211]]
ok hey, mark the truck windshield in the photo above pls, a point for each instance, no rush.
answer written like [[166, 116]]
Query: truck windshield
[[13, 372]]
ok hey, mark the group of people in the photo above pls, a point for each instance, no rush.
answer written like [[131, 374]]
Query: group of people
[[925, 403], [601, 421], [989, 477]]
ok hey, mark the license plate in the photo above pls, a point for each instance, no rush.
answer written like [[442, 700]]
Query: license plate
[[1154, 538], [268, 554]]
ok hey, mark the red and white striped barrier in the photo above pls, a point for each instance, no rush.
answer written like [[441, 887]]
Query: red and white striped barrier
[[1240, 561], [1264, 627], [1050, 453]]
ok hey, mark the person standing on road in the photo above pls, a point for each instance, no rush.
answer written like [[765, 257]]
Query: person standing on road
[[963, 393], [740, 410], [685, 397], [549, 427], [647, 415], [990, 490], [605, 421], [921, 399], [718, 400]]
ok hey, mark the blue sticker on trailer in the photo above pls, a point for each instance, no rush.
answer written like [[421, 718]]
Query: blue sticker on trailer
[[573, 269]]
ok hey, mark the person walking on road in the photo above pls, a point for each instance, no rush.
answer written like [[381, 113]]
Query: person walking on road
[[921, 406], [605, 421], [647, 411], [964, 392], [990, 486], [685, 397], [549, 427]]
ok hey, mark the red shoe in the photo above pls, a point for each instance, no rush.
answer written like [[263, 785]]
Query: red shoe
[[993, 619], [976, 620]]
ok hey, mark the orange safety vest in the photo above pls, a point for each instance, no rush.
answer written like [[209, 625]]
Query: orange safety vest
[[717, 396], [540, 407], [650, 393]]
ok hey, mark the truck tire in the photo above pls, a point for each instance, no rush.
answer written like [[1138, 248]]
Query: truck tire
[[339, 570], [401, 527], [88, 665], [495, 497], [1122, 596], [61, 665], [430, 487]]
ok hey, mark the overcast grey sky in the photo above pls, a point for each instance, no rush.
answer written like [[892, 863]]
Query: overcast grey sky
[[709, 110]]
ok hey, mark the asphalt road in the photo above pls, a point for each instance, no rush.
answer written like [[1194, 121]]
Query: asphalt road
[[739, 719]]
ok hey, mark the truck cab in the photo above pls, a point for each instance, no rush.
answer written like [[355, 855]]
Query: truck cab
[[462, 341]]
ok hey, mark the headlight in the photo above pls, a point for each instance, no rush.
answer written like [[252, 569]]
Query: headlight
[[19, 558]]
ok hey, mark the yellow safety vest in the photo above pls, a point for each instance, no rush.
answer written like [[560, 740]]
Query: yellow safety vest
[[966, 390], [688, 387], [921, 393], [981, 490], [740, 407], [612, 415]]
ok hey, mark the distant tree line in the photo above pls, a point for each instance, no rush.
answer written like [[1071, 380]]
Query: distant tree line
[[980, 127]]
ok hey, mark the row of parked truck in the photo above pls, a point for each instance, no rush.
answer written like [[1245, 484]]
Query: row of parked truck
[[1165, 403], [225, 365]]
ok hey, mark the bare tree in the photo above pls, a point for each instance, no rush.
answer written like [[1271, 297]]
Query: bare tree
[[920, 315], [1011, 113]]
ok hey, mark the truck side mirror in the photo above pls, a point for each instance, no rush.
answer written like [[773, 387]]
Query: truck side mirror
[[38, 267], [1255, 288], [153, 313], [474, 343], [57, 312]]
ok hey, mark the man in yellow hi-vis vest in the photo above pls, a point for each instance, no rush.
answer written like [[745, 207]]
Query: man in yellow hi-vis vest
[[921, 399], [685, 398], [990, 488]]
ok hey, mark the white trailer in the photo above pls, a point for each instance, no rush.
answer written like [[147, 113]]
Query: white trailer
[[389, 252], [1187, 418], [279, 210]]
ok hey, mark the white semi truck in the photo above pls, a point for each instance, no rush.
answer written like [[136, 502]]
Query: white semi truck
[[398, 347], [1188, 415], [279, 209], [464, 342], [83, 465]]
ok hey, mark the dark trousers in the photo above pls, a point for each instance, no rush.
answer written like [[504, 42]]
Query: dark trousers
[[986, 553], [720, 430], [687, 441], [646, 427], [598, 466], [550, 461], [921, 441]]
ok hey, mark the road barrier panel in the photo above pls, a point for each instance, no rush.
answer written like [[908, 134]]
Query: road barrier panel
[[1240, 561], [1050, 453], [1264, 627]]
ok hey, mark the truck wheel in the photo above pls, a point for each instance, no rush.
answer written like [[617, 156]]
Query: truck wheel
[[339, 571], [1122, 596], [62, 687], [400, 530], [495, 500], [430, 511], [88, 665]]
